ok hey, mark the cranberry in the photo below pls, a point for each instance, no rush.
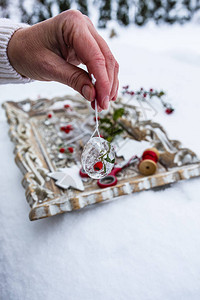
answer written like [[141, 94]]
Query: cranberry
[[67, 130], [62, 150], [67, 106], [69, 127], [97, 118], [169, 111], [71, 150], [98, 166], [49, 116]]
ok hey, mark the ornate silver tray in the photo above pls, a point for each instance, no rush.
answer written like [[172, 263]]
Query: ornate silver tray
[[37, 139]]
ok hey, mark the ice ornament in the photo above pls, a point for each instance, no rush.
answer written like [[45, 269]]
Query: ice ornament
[[98, 157]]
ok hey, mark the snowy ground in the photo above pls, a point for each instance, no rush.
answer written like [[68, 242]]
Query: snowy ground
[[141, 247]]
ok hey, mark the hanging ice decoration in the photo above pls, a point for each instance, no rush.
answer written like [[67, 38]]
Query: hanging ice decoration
[[98, 158], [98, 155]]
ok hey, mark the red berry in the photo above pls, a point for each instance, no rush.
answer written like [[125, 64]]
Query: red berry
[[69, 127], [126, 87], [67, 130], [144, 95], [71, 150], [67, 106], [151, 90], [98, 166], [97, 118], [141, 89], [49, 116], [132, 93], [169, 111], [62, 150]]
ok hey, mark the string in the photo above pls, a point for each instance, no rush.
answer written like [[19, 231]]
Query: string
[[151, 155], [96, 111]]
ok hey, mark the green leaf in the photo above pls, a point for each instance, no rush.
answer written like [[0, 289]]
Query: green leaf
[[109, 138], [105, 120], [110, 127], [109, 160], [117, 131], [109, 147], [104, 168], [118, 113], [105, 128], [161, 94]]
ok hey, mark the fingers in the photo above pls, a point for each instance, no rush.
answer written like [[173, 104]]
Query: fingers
[[96, 55], [91, 55], [57, 69], [72, 58], [111, 64], [99, 109], [115, 96]]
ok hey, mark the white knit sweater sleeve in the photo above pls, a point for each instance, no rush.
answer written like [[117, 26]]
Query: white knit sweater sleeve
[[7, 73]]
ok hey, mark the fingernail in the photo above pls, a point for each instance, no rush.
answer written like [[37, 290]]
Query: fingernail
[[106, 102], [114, 98], [99, 109], [87, 92]]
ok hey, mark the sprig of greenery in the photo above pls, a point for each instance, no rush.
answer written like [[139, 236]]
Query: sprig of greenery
[[107, 158], [118, 113], [110, 126], [146, 95]]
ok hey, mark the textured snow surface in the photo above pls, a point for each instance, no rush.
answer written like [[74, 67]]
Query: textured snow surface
[[145, 246]]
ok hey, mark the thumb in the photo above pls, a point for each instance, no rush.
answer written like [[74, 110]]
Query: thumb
[[75, 77]]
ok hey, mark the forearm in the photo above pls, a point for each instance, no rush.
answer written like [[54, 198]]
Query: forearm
[[7, 73]]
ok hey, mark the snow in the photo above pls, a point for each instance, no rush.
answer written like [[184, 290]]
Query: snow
[[141, 246]]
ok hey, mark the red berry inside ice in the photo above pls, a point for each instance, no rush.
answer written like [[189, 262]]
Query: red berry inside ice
[[49, 116], [98, 166]]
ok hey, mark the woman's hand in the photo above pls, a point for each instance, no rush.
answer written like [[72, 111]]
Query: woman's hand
[[51, 50]]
